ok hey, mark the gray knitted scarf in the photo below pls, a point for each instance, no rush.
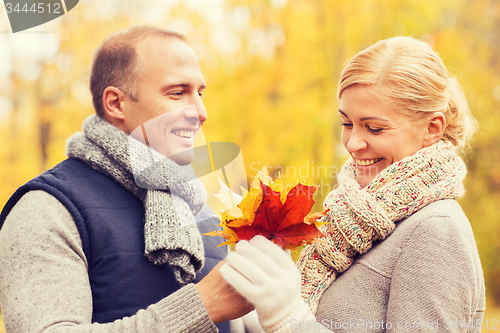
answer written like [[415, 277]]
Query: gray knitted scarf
[[171, 194]]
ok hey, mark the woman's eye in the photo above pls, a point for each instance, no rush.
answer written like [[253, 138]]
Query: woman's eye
[[348, 125], [374, 130]]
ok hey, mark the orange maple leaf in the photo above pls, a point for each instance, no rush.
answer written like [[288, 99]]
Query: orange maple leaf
[[283, 223], [270, 210]]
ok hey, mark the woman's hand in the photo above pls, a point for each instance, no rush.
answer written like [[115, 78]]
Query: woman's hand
[[263, 273]]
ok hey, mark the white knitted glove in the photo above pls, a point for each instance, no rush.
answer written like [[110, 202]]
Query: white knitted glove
[[265, 275]]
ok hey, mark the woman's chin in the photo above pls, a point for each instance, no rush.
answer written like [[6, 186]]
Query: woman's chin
[[362, 182], [366, 173]]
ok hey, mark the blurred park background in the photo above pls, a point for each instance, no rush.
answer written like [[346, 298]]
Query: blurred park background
[[271, 67]]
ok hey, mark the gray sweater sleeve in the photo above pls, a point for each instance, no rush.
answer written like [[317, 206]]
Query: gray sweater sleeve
[[44, 284], [437, 282]]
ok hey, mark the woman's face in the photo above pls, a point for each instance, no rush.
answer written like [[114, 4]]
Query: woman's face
[[374, 133]]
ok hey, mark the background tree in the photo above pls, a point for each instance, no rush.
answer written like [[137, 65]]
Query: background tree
[[272, 68]]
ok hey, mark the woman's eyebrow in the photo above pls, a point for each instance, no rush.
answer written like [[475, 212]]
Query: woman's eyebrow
[[373, 118], [365, 118]]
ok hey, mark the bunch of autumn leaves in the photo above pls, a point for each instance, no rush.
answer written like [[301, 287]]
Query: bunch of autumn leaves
[[271, 209]]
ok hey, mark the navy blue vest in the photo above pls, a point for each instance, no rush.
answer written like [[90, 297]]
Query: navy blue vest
[[110, 221]]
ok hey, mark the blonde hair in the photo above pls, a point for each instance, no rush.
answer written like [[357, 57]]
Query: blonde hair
[[410, 75]]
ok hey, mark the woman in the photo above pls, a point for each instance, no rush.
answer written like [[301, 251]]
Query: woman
[[399, 253]]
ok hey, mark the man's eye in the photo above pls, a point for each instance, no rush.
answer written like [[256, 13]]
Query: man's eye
[[177, 93]]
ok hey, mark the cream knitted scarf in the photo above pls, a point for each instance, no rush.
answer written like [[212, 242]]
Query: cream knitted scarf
[[171, 194], [358, 216]]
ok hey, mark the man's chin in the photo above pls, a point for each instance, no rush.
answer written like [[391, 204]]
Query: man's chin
[[184, 157]]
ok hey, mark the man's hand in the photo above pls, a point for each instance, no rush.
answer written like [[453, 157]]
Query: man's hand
[[221, 300], [266, 275]]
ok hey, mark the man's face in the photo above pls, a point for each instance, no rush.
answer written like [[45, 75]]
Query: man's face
[[169, 105]]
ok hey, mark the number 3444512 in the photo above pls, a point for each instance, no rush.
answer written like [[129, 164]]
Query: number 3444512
[[34, 8], [478, 324]]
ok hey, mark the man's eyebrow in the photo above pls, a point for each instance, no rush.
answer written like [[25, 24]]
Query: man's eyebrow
[[365, 118], [180, 85], [175, 85]]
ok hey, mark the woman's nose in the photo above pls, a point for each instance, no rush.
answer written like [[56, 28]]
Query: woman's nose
[[356, 142]]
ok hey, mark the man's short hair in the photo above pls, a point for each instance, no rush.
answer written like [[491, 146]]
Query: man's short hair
[[116, 64]]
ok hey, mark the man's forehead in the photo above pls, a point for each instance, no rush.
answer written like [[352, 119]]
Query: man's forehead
[[170, 59], [161, 46]]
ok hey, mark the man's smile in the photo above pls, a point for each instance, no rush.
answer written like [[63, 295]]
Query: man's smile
[[184, 133]]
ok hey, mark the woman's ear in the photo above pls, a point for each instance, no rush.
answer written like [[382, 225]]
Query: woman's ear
[[435, 129], [112, 99]]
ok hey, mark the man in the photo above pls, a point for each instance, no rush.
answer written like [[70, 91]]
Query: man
[[107, 241]]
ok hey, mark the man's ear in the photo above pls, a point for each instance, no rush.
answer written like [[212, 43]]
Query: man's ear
[[112, 99], [435, 129]]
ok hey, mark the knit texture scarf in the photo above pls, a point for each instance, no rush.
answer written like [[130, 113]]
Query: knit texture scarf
[[359, 216], [171, 194]]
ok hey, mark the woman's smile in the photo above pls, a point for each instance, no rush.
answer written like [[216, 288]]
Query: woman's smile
[[369, 162]]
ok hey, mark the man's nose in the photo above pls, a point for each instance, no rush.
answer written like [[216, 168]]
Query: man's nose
[[202, 112], [356, 142], [198, 111]]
